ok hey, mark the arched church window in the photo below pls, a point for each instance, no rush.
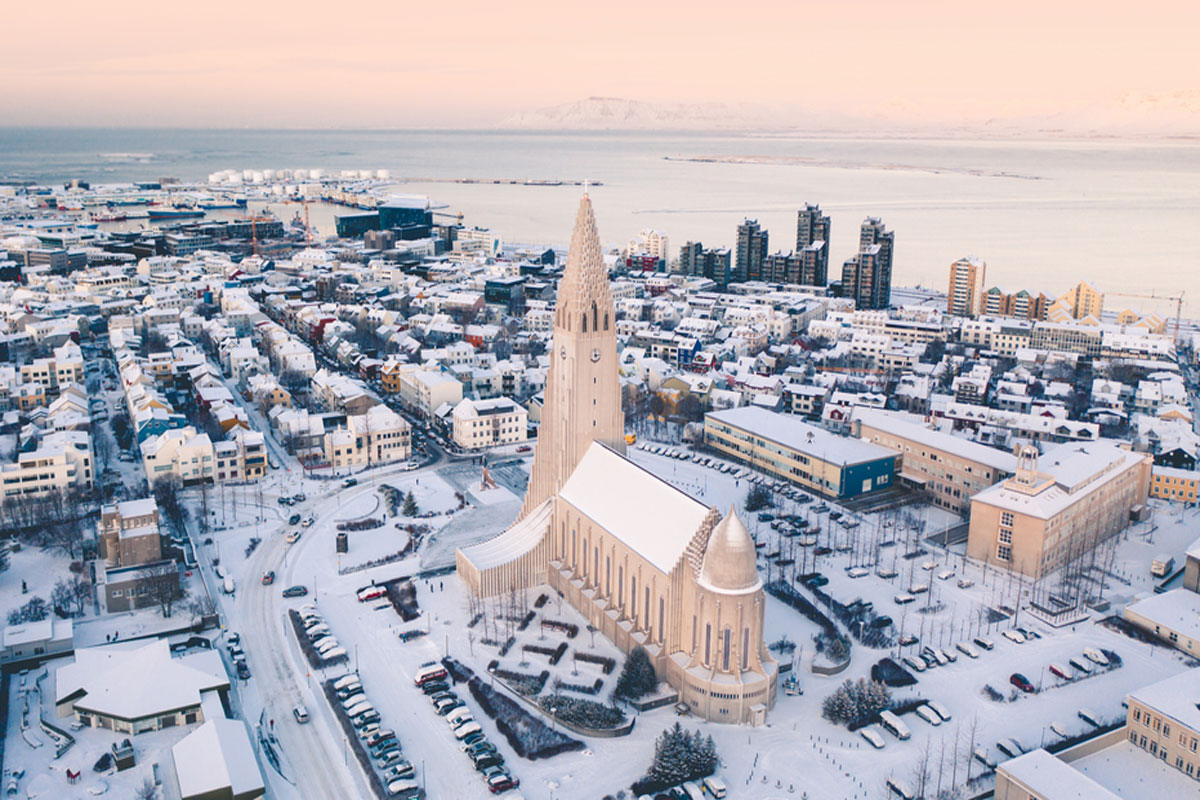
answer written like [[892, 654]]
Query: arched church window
[[605, 320], [745, 648], [595, 319], [707, 643], [662, 605], [725, 649], [584, 322], [633, 597]]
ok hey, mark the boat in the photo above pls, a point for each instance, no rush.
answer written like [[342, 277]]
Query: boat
[[175, 213], [224, 203]]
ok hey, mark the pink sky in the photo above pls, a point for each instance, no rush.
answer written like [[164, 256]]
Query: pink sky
[[422, 63]]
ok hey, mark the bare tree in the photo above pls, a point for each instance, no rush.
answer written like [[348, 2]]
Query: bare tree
[[161, 580], [147, 791], [922, 768], [71, 593]]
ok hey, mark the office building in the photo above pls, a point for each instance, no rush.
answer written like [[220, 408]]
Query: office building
[[964, 294]]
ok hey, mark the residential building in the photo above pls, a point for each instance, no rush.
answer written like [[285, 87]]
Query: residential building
[[181, 453], [378, 436], [480, 424], [1173, 617], [62, 462], [964, 295], [812, 245], [811, 457], [713, 263], [1035, 521], [867, 276], [751, 251], [1170, 483], [1081, 302], [1038, 775]]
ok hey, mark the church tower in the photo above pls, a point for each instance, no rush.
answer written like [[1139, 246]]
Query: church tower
[[582, 396]]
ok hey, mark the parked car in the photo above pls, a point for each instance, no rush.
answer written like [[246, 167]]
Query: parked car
[[502, 783], [243, 671], [1095, 656], [915, 663], [965, 583], [1013, 636], [295, 591], [399, 770], [1060, 671], [967, 650], [986, 644], [1079, 664], [524, 449], [1021, 682], [1010, 747], [294, 519]]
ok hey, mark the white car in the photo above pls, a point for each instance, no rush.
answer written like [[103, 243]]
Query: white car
[[1013, 636], [308, 522], [292, 537], [967, 650], [1095, 656]]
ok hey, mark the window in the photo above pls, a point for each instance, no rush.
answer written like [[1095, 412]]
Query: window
[[707, 643], [725, 645], [1004, 553], [1005, 536], [745, 648]]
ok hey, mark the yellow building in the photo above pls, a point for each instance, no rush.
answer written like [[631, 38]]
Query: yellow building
[[1080, 302], [1169, 483], [646, 564], [1035, 520], [1164, 720]]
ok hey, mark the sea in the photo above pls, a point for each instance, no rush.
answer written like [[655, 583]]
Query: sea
[[1043, 214]]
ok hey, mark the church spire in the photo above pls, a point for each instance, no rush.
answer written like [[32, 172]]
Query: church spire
[[583, 394]]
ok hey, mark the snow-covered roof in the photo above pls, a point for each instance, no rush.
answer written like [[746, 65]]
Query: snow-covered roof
[[648, 514], [523, 536], [1177, 696], [215, 757], [1177, 610], [136, 680], [791, 432], [1046, 776], [963, 448]]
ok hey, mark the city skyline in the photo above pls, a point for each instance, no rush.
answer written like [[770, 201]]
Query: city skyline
[[253, 66]]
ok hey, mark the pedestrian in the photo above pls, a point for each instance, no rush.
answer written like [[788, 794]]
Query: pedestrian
[[441, 586]]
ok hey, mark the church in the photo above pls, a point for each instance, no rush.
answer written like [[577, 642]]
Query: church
[[647, 564]]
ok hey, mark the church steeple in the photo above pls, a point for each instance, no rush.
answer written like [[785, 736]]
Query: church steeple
[[583, 395]]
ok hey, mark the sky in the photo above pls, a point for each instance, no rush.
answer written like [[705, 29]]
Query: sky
[[376, 63]]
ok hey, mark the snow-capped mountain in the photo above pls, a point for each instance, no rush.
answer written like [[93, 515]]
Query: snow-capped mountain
[[614, 113]]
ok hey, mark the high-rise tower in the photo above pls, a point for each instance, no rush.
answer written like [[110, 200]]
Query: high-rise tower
[[582, 395]]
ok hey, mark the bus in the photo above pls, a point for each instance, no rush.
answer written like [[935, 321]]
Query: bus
[[893, 725]]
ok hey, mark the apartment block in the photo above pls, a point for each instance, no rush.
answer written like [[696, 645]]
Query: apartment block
[[964, 294], [480, 424]]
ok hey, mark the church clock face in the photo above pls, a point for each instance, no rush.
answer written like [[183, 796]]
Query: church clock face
[[596, 354], [563, 352]]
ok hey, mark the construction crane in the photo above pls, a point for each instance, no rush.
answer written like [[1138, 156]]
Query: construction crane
[[304, 201], [1176, 298]]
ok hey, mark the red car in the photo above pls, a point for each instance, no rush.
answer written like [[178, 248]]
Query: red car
[[268, 578], [1060, 671], [1021, 682], [524, 448], [502, 783]]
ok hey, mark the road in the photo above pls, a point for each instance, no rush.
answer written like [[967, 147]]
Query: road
[[312, 752]]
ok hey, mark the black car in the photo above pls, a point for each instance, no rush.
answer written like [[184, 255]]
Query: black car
[[881, 622], [433, 687], [243, 671], [823, 550], [489, 760], [294, 519], [835, 515]]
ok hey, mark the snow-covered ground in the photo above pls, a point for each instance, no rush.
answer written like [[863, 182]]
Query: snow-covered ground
[[832, 762], [46, 776]]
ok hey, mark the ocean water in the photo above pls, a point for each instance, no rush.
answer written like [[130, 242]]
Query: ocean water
[[1042, 214]]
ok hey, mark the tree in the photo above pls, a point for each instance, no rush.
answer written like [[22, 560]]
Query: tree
[[637, 678], [854, 701], [147, 791], [679, 756], [161, 580], [35, 610], [166, 494], [757, 497], [410, 509], [70, 594]]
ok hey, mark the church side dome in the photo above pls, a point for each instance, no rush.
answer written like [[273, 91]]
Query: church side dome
[[730, 563]]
